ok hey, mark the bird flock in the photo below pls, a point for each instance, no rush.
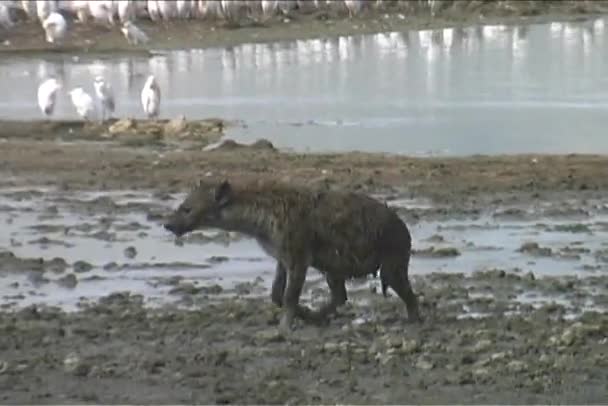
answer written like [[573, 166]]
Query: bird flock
[[104, 103], [54, 15]]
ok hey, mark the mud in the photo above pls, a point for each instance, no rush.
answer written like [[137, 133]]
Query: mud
[[144, 318], [28, 36], [99, 305]]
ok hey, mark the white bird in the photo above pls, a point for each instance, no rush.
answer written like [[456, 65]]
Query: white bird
[[166, 9], [47, 95], [83, 103], [105, 94], [153, 11], [5, 17], [55, 27], [102, 11], [269, 8], [134, 34], [150, 97], [81, 9], [183, 9], [44, 8], [29, 6], [126, 10]]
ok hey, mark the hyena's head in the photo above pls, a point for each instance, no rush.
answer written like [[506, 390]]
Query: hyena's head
[[202, 207]]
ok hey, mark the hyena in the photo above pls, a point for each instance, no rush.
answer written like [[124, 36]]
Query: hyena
[[342, 234]]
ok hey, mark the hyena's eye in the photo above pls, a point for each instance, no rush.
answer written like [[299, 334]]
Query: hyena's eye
[[185, 209]]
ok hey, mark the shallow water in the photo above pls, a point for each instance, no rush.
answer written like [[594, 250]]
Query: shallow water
[[485, 89], [98, 228]]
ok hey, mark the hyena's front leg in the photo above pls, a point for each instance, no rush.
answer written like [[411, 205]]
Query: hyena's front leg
[[296, 275], [278, 284]]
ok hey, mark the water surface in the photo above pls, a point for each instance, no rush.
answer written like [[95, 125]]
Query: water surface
[[540, 88]]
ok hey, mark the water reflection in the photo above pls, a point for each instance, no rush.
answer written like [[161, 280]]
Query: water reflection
[[480, 89]]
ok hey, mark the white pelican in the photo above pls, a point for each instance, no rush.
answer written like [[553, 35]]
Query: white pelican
[[102, 11], [44, 8], [5, 17], [81, 8], [166, 9], [150, 97], [47, 95], [55, 27], [183, 9], [83, 103], [134, 34], [353, 6], [29, 6], [269, 8], [105, 94], [126, 10], [153, 11]]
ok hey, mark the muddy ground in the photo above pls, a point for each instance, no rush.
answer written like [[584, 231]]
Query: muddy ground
[[28, 36], [226, 349], [479, 343]]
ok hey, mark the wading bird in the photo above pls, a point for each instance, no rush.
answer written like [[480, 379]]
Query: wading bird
[[134, 34], [83, 103], [55, 27], [150, 97], [105, 94], [47, 95]]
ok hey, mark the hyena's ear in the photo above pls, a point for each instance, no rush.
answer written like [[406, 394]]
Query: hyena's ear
[[223, 193]]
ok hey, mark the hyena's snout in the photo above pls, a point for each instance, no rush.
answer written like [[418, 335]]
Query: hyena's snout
[[174, 226]]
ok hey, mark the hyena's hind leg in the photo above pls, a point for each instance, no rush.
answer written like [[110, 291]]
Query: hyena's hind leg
[[393, 274]]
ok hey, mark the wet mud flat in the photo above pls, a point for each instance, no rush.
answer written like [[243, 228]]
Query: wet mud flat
[[100, 305], [28, 36]]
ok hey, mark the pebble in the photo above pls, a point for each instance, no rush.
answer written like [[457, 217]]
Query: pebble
[[482, 345], [424, 364], [517, 366], [269, 336], [68, 281], [130, 252], [82, 266]]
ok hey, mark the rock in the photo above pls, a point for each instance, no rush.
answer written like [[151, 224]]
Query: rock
[[482, 345], [498, 356], [533, 248], [424, 364], [394, 342], [82, 266], [433, 252], [481, 373], [73, 365], [187, 288], [69, 281], [211, 290], [269, 336], [517, 366], [130, 252], [122, 126], [331, 347], [176, 126], [409, 346], [3, 367]]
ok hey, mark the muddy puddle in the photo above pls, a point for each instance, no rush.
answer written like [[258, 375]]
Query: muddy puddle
[[69, 249]]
